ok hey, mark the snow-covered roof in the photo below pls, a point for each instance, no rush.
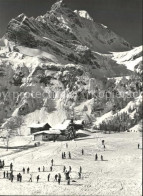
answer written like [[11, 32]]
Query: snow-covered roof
[[78, 122], [80, 131], [60, 127], [65, 124], [56, 132], [38, 125]]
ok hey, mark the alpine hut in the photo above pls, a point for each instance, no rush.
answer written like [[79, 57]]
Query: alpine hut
[[39, 127]]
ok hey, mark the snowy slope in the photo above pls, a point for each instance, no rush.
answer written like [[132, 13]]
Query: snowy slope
[[130, 59]]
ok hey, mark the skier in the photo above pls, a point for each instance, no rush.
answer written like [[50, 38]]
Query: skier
[[20, 177], [66, 145], [59, 175], [138, 146], [3, 164], [30, 179], [70, 168], [64, 155], [11, 167], [52, 162], [80, 169], [43, 168], [59, 180], [64, 169], [82, 151], [7, 174], [48, 177], [17, 177], [39, 169], [23, 170], [51, 168], [28, 170], [102, 142], [96, 157], [69, 155], [4, 174], [104, 147], [56, 176], [38, 178], [101, 158]]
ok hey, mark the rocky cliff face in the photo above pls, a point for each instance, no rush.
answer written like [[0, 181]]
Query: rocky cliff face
[[57, 52], [61, 24]]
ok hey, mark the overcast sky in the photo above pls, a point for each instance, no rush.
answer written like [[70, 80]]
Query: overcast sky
[[122, 16]]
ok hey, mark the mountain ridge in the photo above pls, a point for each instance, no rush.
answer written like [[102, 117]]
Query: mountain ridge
[[64, 23]]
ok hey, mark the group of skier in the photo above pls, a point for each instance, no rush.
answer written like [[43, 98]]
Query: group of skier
[[57, 177], [64, 155]]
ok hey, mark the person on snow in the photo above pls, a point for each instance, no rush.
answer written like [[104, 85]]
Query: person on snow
[[59, 180], [43, 168], [64, 169], [64, 155], [38, 178], [56, 177], [4, 174], [23, 170], [138, 146], [69, 155], [80, 169], [96, 157], [51, 168], [20, 177], [11, 167], [7, 174], [101, 158], [30, 179], [82, 152], [52, 162], [28, 170], [102, 142], [48, 177]]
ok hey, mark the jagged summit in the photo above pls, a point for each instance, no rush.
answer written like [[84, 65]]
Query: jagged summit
[[59, 4], [61, 24], [21, 16]]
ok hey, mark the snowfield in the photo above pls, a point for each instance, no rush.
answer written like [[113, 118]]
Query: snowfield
[[129, 58], [119, 173]]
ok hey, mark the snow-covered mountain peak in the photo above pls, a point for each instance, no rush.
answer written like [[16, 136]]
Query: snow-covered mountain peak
[[21, 17], [58, 5], [61, 24], [84, 14]]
